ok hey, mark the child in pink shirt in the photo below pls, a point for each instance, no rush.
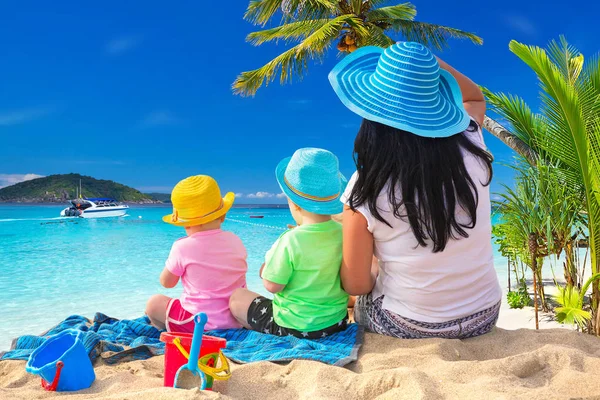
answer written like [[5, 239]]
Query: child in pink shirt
[[210, 262]]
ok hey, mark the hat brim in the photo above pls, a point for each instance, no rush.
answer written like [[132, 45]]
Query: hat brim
[[227, 204], [351, 81], [317, 207]]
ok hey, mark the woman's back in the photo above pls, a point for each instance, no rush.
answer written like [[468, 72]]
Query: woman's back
[[435, 286]]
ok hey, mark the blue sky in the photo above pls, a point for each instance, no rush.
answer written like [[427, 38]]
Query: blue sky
[[139, 92]]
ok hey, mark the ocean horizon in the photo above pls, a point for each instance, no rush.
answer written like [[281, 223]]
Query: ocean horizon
[[53, 267]]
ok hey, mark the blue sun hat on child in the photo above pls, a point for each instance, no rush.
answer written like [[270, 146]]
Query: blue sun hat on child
[[311, 178], [401, 86]]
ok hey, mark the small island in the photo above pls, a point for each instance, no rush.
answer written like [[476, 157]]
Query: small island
[[61, 188]]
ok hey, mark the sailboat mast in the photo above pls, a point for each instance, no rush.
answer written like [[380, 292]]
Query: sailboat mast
[[80, 195]]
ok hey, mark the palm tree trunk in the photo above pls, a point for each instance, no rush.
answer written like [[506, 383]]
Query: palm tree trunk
[[533, 252], [570, 269], [508, 264], [541, 290], [510, 139]]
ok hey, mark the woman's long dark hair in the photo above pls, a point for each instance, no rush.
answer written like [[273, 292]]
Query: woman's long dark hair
[[430, 174]]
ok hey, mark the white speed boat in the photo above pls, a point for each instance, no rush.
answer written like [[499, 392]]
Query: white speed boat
[[95, 208]]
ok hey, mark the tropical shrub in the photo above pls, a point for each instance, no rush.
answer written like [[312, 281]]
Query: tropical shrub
[[519, 298], [565, 134]]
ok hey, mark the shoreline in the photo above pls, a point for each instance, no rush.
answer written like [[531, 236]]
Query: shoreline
[[145, 204]]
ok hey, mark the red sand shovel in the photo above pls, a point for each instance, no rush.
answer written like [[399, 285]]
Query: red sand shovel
[[189, 376]]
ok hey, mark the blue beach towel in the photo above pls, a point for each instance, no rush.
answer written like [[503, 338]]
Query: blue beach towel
[[111, 339], [116, 340], [244, 346]]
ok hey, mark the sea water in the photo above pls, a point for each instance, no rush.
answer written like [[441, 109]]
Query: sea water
[[52, 267]]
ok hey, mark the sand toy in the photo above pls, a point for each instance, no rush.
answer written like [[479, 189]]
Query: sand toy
[[180, 350], [62, 362]]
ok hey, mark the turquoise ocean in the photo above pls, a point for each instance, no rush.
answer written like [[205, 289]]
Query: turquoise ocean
[[52, 267]]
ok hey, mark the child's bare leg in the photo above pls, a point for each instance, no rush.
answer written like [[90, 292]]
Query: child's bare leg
[[156, 310], [239, 303], [351, 301]]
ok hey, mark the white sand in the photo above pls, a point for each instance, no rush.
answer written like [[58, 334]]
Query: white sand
[[548, 364], [509, 363]]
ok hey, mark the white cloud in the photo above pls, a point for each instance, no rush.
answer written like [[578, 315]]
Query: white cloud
[[521, 24], [239, 195], [16, 117], [122, 44], [260, 195], [160, 118], [12, 179], [281, 196]]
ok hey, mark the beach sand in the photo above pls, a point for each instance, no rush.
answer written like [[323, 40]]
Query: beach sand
[[547, 364]]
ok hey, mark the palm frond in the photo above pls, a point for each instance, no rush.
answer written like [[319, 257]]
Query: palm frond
[[561, 105], [296, 59], [570, 311], [430, 35], [526, 125], [567, 58], [287, 32], [386, 15], [588, 88], [259, 12], [357, 6], [375, 36]]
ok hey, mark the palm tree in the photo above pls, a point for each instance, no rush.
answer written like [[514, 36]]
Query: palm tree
[[314, 25], [566, 132]]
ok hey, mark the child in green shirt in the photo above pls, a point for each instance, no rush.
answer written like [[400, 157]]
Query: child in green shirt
[[302, 268]]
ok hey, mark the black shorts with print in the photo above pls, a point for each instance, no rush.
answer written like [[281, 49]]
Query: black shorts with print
[[260, 318]]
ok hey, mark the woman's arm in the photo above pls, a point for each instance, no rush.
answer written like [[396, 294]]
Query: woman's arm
[[356, 272], [168, 279], [473, 98]]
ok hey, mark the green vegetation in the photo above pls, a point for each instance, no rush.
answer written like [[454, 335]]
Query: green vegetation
[[59, 188], [314, 25], [520, 298], [555, 204], [162, 197]]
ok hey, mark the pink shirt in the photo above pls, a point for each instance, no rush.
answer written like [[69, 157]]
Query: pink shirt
[[211, 264]]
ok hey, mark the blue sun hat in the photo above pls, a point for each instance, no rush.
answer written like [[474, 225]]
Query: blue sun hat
[[311, 178], [401, 86]]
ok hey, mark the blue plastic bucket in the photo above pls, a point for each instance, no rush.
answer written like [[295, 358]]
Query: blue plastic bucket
[[62, 362]]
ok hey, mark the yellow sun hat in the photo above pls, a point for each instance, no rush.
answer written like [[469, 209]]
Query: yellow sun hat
[[196, 201]]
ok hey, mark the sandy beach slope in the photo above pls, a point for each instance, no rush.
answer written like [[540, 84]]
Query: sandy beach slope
[[505, 364]]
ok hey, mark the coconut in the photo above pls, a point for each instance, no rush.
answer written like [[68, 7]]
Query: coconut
[[341, 46], [349, 40], [352, 47]]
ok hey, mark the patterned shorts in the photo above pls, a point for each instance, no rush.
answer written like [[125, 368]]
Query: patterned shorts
[[370, 314], [260, 319]]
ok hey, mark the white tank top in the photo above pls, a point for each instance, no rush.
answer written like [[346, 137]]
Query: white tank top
[[435, 287]]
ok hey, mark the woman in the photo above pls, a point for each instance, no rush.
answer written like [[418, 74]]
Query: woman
[[419, 201]]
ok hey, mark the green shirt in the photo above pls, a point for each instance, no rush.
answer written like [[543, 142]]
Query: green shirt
[[307, 260]]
